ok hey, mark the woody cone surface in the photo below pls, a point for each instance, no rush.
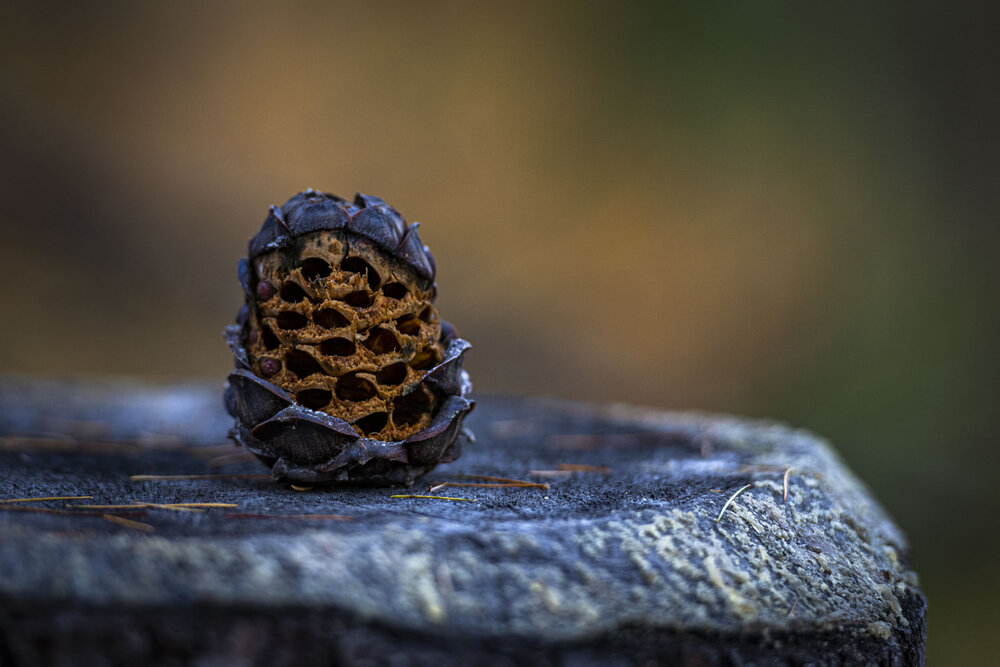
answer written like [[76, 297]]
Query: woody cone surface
[[345, 373]]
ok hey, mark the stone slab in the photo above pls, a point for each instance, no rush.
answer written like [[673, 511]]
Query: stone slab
[[623, 559]]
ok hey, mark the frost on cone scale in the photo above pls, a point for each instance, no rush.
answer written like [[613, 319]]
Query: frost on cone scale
[[344, 373]]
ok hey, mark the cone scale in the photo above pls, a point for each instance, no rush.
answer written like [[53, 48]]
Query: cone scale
[[344, 371]]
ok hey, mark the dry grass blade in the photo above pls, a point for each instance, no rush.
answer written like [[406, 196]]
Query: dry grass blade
[[551, 473], [794, 604], [760, 467], [583, 467], [155, 506], [498, 480], [106, 507], [408, 495], [784, 485], [128, 523], [226, 459], [180, 507], [41, 498], [493, 485], [730, 501]]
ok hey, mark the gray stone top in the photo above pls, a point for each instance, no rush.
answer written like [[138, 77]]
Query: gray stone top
[[661, 536]]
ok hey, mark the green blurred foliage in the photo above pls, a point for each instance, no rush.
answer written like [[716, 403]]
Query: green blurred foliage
[[783, 211]]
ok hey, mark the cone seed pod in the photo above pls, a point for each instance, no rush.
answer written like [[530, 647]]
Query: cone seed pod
[[345, 373]]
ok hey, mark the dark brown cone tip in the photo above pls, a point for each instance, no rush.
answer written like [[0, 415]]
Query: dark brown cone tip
[[370, 217], [344, 374]]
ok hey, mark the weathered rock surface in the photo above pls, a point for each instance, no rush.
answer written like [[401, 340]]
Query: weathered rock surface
[[622, 560]]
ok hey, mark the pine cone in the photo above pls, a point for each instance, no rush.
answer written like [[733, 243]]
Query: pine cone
[[344, 371]]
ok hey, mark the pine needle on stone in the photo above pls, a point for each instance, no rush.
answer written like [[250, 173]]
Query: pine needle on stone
[[794, 604], [468, 500], [39, 499], [730, 501], [583, 467], [568, 469], [128, 523], [499, 480], [226, 459], [183, 507], [493, 485]]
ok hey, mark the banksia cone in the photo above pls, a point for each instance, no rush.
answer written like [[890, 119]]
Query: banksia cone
[[344, 370]]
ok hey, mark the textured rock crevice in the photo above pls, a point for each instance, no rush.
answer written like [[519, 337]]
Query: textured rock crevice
[[626, 558]]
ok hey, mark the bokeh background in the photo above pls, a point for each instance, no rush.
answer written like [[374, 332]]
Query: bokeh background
[[784, 212]]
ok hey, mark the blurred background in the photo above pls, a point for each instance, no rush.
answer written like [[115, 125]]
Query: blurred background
[[785, 212]]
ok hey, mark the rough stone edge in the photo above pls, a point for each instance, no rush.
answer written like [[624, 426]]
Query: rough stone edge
[[290, 636]]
